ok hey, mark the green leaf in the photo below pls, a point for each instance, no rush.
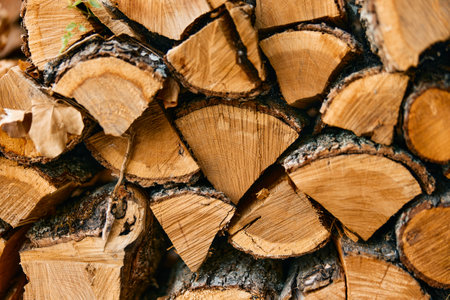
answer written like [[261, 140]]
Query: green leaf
[[94, 3], [71, 26], [81, 28]]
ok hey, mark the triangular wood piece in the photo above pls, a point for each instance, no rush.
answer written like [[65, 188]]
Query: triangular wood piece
[[426, 122], [114, 80], [399, 32], [372, 270], [306, 58], [217, 60], [242, 140], [158, 156], [46, 23], [19, 93], [422, 238], [347, 176], [367, 103], [167, 18], [271, 13], [67, 258], [278, 222], [191, 217]]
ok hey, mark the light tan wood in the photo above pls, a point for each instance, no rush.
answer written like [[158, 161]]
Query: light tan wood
[[122, 91], [231, 293], [427, 124], [367, 103], [89, 267], [241, 15], [158, 155], [276, 13], [192, 220], [167, 18], [116, 26], [304, 60], [54, 128], [279, 222], [370, 277], [5, 65], [4, 27], [208, 62], [363, 191], [45, 22], [240, 143], [26, 194], [426, 243], [401, 30]]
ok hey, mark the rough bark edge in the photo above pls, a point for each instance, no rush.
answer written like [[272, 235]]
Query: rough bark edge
[[417, 92], [121, 47], [425, 202], [163, 194], [333, 144], [295, 118], [189, 178], [221, 271], [322, 266], [234, 40], [5, 228]]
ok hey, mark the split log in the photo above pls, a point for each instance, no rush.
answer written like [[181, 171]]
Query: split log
[[423, 240], [271, 14], [46, 127], [426, 122], [278, 221], [158, 156], [10, 31], [166, 18], [399, 31], [191, 217], [116, 25], [114, 80], [221, 59], [367, 103], [4, 27], [41, 188], [243, 139], [315, 54], [10, 244], [372, 270], [361, 183], [67, 258], [316, 276], [46, 23], [227, 274], [6, 65]]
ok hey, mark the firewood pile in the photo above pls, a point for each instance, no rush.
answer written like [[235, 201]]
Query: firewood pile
[[212, 149]]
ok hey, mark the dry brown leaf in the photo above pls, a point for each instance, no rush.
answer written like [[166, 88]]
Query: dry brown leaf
[[16, 123], [51, 124]]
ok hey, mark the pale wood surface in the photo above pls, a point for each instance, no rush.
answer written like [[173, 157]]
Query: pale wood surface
[[367, 103], [240, 144]]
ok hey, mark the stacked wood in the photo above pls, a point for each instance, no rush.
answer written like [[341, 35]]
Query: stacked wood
[[67, 258], [346, 175], [10, 29], [227, 274], [264, 129], [305, 68], [191, 217], [372, 270], [284, 154], [422, 238], [278, 221], [316, 276]]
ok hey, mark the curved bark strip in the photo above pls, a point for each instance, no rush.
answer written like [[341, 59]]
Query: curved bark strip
[[191, 217], [347, 176], [422, 238], [426, 122], [227, 274], [114, 80], [314, 55], [244, 138], [67, 257], [367, 103]]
